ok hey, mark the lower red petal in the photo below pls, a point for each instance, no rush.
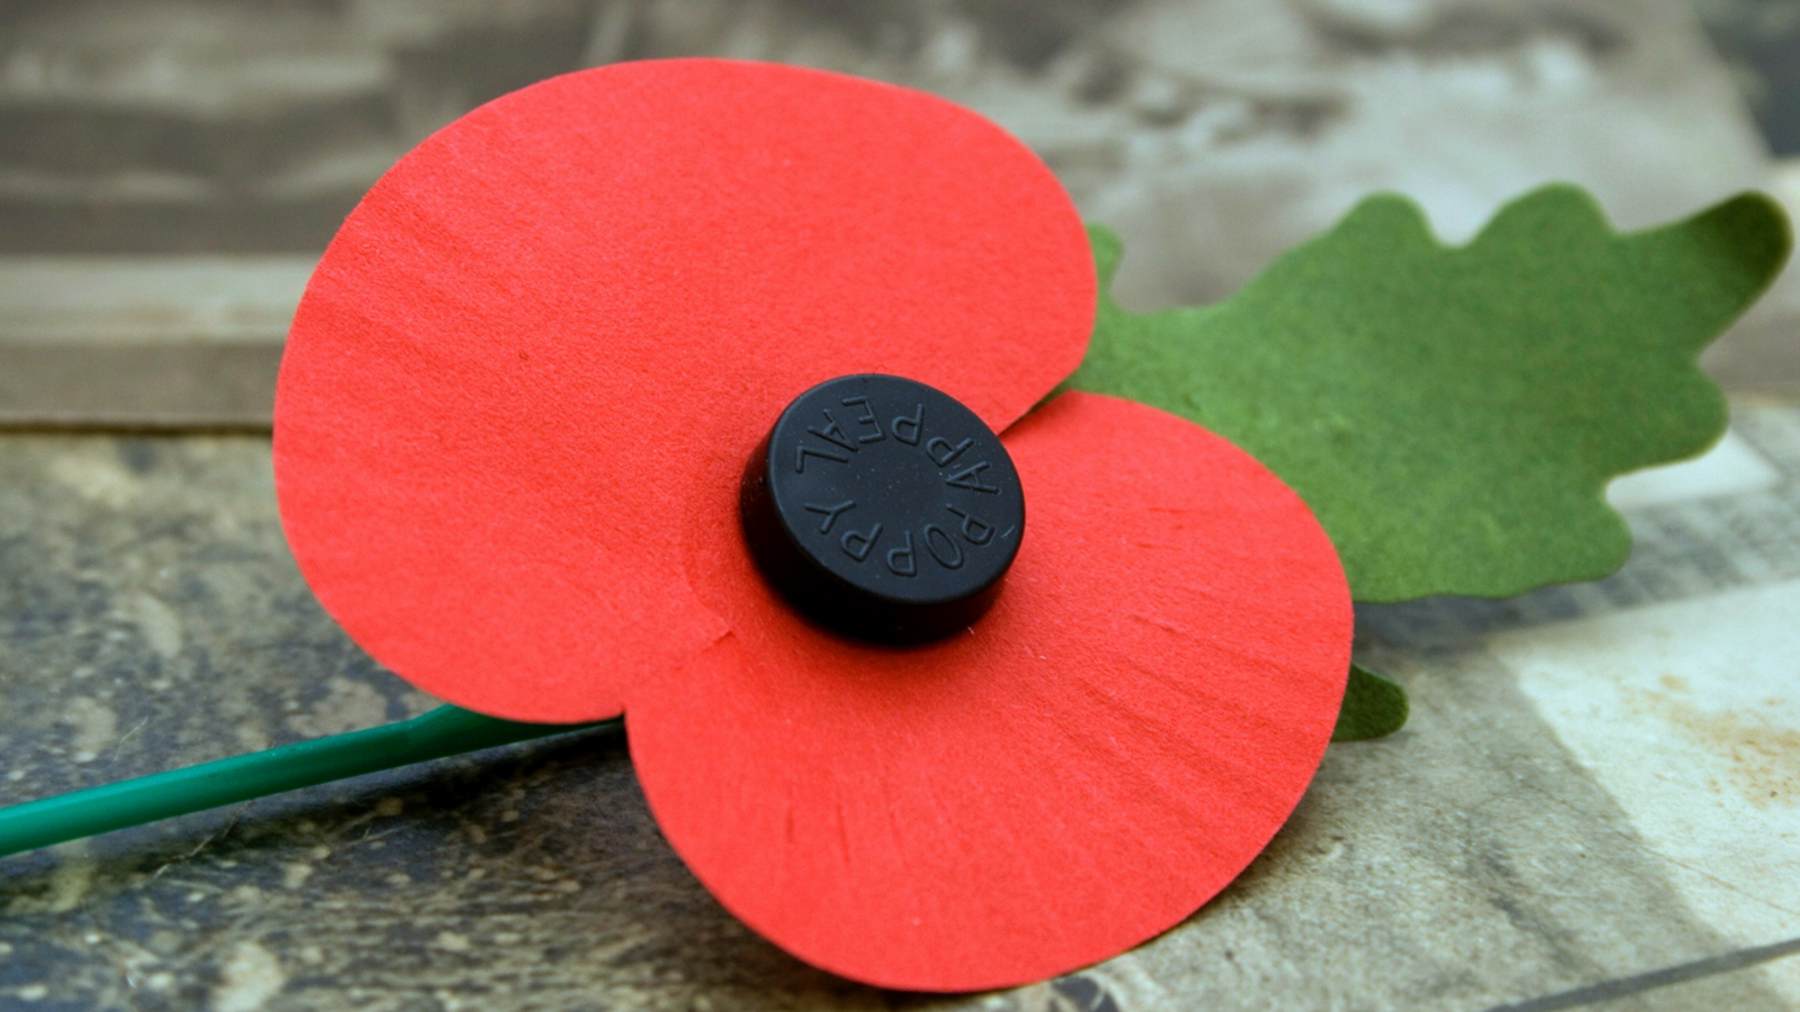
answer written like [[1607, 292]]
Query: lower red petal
[[1098, 757]]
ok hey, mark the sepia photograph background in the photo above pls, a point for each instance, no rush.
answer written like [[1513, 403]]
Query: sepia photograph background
[[170, 168]]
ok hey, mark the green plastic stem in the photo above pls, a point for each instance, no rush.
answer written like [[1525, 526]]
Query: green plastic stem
[[445, 731]]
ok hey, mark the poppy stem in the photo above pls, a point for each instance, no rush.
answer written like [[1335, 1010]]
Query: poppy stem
[[445, 731]]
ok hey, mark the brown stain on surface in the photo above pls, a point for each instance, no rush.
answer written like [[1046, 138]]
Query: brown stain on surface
[[1762, 759]]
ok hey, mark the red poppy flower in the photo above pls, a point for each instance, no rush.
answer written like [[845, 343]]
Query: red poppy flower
[[515, 407]]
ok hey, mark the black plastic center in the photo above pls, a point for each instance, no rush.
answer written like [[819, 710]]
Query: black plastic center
[[882, 508]]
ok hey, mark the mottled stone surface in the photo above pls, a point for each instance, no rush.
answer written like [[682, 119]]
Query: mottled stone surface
[[150, 616]]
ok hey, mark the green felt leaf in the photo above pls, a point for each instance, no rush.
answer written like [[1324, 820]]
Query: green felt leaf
[[1452, 415], [1374, 707]]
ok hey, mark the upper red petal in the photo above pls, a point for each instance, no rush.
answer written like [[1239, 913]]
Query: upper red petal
[[1101, 754], [520, 353]]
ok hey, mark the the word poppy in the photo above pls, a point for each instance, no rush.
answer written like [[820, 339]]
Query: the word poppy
[[512, 428]]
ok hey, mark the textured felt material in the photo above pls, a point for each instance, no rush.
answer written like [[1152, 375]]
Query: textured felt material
[[1096, 758], [1453, 415], [517, 358], [1374, 707]]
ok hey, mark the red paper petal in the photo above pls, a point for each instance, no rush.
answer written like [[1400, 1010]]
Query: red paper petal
[[532, 339], [1100, 755]]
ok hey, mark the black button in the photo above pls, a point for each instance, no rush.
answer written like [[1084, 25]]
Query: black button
[[882, 508]]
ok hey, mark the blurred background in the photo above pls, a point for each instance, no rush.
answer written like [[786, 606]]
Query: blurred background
[[169, 169]]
